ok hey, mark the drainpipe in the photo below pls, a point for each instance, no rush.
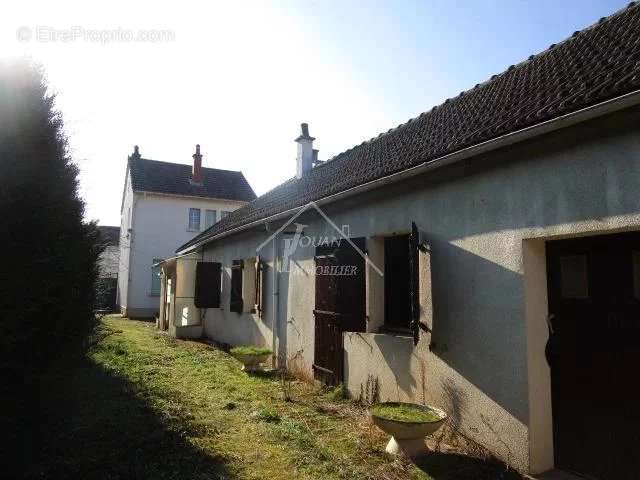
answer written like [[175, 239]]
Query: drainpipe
[[276, 301]]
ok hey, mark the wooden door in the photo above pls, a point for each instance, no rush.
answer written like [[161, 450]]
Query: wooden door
[[594, 355], [340, 305]]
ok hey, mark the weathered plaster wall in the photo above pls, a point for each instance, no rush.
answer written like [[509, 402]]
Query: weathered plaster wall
[[240, 328], [124, 257], [485, 359], [160, 225]]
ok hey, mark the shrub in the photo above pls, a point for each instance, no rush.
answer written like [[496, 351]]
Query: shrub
[[50, 253]]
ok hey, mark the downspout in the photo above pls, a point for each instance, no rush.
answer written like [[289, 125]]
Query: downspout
[[276, 303]]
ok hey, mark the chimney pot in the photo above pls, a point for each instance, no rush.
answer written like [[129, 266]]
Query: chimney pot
[[196, 173]]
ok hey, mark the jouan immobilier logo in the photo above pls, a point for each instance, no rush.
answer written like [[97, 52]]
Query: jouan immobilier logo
[[339, 240]]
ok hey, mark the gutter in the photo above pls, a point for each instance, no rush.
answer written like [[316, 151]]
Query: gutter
[[567, 120]]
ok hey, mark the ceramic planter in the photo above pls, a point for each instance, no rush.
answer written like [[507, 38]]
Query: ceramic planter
[[251, 362], [408, 437]]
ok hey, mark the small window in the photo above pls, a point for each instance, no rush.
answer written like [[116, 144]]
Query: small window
[[210, 218], [155, 277], [223, 213], [235, 302], [397, 282], [194, 219], [574, 277]]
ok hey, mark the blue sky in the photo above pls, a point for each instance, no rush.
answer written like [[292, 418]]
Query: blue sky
[[412, 55], [239, 77]]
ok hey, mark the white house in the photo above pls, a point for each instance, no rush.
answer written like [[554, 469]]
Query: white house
[[164, 205], [493, 267]]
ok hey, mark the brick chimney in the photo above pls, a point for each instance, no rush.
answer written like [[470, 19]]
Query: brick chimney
[[305, 157], [196, 173]]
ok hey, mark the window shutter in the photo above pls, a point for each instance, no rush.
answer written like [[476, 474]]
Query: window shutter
[[259, 266], [207, 289], [236, 304], [414, 294]]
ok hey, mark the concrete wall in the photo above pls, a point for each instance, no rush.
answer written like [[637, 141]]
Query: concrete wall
[[126, 214], [241, 328], [159, 226], [484, 362]]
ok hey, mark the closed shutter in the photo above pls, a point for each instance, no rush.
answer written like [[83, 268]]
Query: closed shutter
[[236, 304], [207, 288]]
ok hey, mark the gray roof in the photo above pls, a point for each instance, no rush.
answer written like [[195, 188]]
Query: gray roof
[[596, 64], [109, 236], [175, 179]]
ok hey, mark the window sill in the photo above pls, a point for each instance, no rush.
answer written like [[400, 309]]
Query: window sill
[[151, 294], [193, 230]]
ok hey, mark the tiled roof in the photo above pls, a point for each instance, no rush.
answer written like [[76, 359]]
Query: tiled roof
[[175, 179], [596, 64], [109, 236]]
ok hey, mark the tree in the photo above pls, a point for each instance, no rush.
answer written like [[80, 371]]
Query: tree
[[49, 254]]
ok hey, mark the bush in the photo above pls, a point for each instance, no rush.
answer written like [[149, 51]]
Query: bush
[[50, 253]]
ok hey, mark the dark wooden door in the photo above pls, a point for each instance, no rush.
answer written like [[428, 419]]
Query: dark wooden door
[[594, 354], [340, 305]]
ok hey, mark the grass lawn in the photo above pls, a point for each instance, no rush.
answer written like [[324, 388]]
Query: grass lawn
[[147, 406]]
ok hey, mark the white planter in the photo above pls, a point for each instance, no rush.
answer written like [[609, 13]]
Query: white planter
[[408, 437]]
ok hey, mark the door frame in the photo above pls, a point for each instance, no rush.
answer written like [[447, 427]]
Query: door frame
[[323, 319], [536, 310]]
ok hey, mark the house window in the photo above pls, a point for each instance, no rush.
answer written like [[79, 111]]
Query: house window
[[209, 218], [155, 277], [397, 282], [235, 302], [223, 213], [194, 219]]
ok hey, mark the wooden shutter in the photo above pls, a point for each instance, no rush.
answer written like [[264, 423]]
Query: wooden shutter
[[207, 288], [414, 289], [259, 286], [236, 303]]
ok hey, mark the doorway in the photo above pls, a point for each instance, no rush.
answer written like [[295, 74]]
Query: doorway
[[340, 305], [594, 353]]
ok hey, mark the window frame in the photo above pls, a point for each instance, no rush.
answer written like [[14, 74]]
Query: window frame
[[207, 211], [153, 292], [191, 228]]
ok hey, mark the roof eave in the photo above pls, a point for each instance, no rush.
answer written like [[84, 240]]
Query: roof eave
[[163, 194]]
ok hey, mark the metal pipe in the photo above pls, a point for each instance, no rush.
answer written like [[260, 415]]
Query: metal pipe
[[276, 301]]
